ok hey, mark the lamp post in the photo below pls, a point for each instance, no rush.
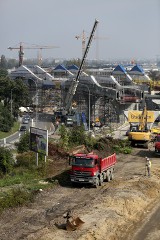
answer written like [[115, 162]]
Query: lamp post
[[89, 105], [12, 102], [36, 97]]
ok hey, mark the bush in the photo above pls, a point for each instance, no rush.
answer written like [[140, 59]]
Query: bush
[[24, 143], [99, 146], [6, 121], [15, 197], [26, 159], [64, 141], [77, 136], [120, 149], [6, 160]]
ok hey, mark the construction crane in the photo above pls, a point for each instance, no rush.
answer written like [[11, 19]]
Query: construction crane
[[74, 84], [21, 50], [83, 37]]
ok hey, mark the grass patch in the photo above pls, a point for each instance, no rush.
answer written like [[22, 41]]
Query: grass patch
[[14, 129], [18, 178], [15, 197], [21, 186]]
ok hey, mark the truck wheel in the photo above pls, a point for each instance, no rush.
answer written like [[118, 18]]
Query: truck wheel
[[104, 176], [74, 184], [97, 182], [101, 180], [133, 144], [111, 175], [108, 176], [146, 145]]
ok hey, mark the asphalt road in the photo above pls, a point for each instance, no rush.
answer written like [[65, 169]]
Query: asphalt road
[[44, 121]]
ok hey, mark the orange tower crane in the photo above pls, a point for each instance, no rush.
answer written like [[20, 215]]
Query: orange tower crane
[[21, 51]]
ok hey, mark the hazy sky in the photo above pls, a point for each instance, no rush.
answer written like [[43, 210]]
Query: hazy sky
[[126, 29]]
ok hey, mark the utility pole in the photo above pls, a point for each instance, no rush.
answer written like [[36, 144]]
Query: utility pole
[[12, 102]]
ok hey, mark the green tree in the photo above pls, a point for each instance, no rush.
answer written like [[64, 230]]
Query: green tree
[[12, 63], [3, 63], [24, 144], [6, 121], [3, 72], [77, 136], [6, 160], [17, 90], [64, 140], [20, 96]]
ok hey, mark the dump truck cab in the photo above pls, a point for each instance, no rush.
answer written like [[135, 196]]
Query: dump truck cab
[[84, 167]]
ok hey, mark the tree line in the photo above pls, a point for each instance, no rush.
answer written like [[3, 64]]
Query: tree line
[[13, 94]]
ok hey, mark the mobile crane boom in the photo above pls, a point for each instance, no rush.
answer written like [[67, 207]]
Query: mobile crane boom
[[74, 84]]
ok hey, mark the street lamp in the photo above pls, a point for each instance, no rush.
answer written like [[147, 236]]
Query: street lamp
[[12, 102], [36, 97], [89, 105]]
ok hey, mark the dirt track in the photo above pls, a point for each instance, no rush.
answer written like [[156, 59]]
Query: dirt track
[[112, 212]]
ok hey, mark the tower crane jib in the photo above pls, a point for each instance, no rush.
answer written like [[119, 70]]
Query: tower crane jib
[[21, 50]]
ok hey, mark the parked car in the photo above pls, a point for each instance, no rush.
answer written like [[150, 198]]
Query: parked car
[[27, 117], [23, 129], [25, 120]]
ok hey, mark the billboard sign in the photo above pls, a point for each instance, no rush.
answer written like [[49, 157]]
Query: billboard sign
[[39, 140], [135, 116]]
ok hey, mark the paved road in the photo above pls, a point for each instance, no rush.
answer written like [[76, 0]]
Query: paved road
[[120, 133], [44, 121]]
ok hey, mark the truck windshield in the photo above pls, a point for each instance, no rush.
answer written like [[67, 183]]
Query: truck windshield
[[87, 162]]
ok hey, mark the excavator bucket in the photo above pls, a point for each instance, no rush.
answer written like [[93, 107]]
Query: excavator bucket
[[78, 222], [70, 226], [74, 224]]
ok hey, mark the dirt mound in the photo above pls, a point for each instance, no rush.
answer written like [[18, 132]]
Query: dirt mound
[[54, 151]]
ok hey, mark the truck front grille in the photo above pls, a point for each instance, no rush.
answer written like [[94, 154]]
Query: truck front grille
[[79, 174]]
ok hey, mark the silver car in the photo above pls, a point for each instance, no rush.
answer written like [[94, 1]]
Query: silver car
[[25, 120]]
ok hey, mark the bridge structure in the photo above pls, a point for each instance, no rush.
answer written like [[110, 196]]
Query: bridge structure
[[105, 103], [108, 97], [103, 97]]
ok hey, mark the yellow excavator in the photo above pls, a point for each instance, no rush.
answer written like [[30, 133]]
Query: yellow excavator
[[140, 134]]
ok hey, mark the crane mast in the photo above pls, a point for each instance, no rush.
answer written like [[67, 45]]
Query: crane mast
[[74, 84]]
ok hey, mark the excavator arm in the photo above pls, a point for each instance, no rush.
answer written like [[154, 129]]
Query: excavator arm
[[143, 120]]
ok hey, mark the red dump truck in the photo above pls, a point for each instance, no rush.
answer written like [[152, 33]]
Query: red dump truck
[[157, 144], [90, 168]]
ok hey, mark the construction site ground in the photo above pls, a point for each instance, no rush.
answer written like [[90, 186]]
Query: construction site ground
[[116, 210]]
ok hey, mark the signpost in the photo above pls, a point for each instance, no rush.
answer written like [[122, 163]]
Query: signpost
[[39, 142]]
